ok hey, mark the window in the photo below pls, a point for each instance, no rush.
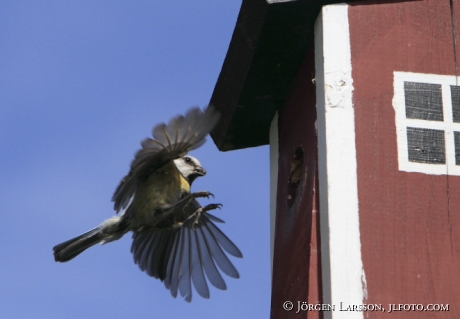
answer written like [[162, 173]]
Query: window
[[427, 111]]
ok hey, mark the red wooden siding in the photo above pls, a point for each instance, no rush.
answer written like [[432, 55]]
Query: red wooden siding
[[296, 263], [409, 222]]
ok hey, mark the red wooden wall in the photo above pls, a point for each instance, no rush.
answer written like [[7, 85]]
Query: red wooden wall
[[296, 264], [409, 222]]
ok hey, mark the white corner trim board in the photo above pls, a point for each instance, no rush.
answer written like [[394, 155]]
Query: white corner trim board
[[344, 281]]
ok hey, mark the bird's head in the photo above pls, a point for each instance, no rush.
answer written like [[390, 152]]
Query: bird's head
[[189, 167]]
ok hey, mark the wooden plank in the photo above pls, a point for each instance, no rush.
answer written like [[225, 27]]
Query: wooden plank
[[268, 45], [315, 282], [262, 60], [342, 271], [410, 222], [297, 260]]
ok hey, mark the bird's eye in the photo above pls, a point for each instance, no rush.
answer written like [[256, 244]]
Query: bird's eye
[[187, 159]]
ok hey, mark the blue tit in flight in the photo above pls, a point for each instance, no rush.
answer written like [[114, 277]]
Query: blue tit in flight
[[175, 239]]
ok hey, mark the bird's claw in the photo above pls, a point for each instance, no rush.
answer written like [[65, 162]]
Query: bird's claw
[[202, 194], [212, 207], [197, 214]]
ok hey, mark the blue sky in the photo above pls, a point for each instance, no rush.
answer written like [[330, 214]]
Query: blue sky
[[81, 84]]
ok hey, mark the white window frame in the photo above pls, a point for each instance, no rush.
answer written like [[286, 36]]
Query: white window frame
[[448, 126]]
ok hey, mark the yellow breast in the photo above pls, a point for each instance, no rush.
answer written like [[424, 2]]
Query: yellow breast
[[162, 189]]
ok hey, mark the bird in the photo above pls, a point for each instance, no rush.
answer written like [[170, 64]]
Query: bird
[[175, 239]]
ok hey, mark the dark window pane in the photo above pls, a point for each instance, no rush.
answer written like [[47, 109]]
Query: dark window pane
[[423, 101], [426, 145], [455, 94], [457, 148]]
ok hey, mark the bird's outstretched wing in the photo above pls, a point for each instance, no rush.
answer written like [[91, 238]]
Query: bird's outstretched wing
[[181, 135], [182, 256]]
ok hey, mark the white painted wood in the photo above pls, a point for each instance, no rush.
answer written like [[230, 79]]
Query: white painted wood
[[274, 155], [344, 281]]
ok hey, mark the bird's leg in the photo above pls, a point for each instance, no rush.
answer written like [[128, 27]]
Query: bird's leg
[[166, 212], [197, 214], [182, 203]]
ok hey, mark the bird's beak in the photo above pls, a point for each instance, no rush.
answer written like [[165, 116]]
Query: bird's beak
[[200, 171]]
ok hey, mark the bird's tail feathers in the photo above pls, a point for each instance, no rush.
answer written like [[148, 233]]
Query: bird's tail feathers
[[73, 247], [111, 229]]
